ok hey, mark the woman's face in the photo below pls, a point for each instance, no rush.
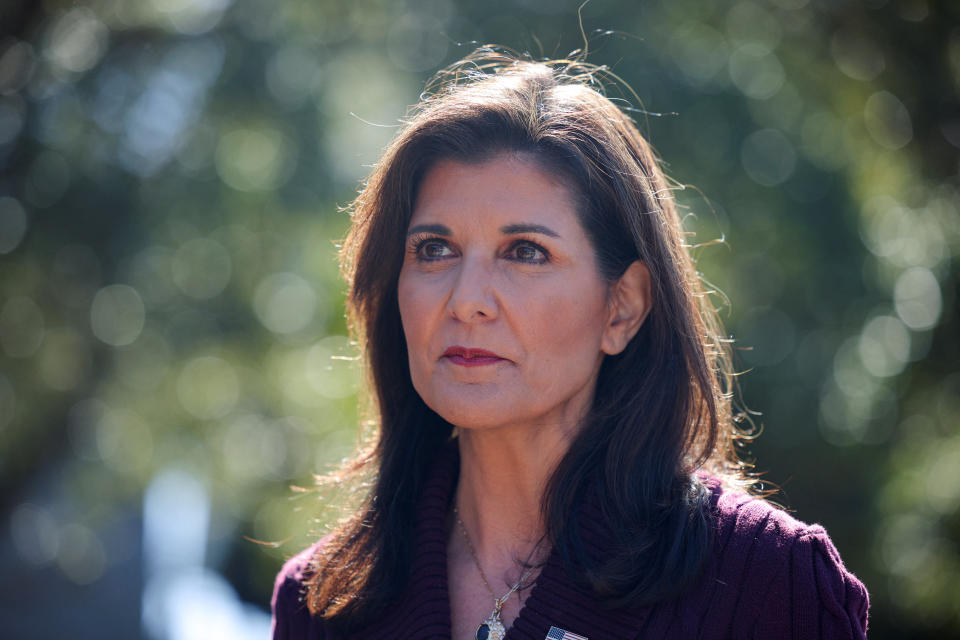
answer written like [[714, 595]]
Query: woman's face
[[503, 307]]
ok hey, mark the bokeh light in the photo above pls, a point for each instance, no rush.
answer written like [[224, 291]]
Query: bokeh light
[[887, 120], [756, 71], [918, 299], [117, 314], [201, 268], [76, 40], [332, 367], [285, 302], [208, 387], [254, 158]]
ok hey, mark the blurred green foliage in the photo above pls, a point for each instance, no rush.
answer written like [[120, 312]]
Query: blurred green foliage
[[173, 176]]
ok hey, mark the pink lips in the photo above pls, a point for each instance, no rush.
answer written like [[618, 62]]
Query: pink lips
[[471, 357]]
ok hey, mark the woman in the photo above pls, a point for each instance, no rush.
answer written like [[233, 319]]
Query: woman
[[555, 453]]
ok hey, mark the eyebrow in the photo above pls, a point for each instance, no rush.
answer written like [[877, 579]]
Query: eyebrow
[[437, 229], [510, 229]]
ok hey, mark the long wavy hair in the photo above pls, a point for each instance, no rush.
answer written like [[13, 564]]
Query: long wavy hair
[[662, 408]]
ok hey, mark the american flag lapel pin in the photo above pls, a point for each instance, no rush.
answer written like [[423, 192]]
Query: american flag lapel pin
[[563, 634]]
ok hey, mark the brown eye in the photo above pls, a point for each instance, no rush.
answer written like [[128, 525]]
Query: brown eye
[[431, 250], [528, 252]]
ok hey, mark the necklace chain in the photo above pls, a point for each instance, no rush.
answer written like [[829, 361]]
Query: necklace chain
[[498, 602]]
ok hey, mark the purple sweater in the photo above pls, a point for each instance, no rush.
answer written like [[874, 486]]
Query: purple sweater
[[769, 577]]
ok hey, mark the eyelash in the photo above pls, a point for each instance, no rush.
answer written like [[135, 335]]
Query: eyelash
[[417, 244]]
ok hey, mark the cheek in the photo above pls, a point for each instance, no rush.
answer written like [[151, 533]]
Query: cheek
[[583, 308], [415, 312], [568, 325], [417, 319]]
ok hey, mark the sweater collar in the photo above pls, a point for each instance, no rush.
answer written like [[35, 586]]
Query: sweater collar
[[555, 600]]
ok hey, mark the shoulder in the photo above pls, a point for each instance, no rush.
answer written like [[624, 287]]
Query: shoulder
[[291, 617], [805, 591]]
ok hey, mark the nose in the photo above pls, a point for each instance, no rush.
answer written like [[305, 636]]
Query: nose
[[472, 298]]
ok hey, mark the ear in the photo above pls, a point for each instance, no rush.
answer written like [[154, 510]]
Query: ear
[[629, 305]]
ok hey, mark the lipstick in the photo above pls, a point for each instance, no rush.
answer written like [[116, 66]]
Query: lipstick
[[466, 357]]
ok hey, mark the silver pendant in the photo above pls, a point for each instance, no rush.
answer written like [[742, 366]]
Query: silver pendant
[[491, 628]]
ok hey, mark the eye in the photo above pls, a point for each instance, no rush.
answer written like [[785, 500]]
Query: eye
[[431, 249], [526, 251], [435, 250]]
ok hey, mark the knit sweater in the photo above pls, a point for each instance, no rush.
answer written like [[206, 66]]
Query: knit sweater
[[769, 576]]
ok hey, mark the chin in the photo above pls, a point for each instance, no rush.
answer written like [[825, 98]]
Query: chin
[[470, 406], [472, 413], [471, 418]]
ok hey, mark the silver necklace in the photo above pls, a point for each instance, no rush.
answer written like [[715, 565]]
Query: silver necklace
[[492, 628]]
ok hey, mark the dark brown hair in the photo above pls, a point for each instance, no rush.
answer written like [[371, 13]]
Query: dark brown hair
[[662, 408]]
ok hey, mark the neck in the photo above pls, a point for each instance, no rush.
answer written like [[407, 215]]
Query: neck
[[503, 476]]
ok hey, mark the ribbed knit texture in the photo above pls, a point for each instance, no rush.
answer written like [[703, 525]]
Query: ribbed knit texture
[[770, 576]]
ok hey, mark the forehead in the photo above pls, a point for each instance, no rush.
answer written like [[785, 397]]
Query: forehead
[[502, 187]]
